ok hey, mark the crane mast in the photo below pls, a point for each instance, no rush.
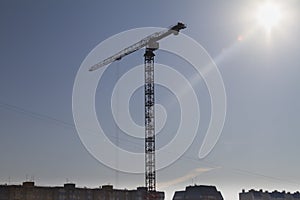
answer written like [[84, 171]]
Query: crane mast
[[151, 44], [150, 176]]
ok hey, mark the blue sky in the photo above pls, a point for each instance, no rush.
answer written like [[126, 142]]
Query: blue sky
[[43, 44]]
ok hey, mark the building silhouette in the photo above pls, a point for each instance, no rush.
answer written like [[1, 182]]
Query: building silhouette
[[265, 195], [198, 192], [28, 191]]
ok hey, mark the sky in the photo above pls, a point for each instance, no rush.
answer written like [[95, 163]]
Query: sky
[[44, 43]]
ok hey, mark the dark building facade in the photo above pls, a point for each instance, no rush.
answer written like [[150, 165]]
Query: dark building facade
[[198, 192], [28, 191], [265, 195]]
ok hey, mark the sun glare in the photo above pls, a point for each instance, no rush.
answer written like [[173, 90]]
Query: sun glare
[[268, 15]]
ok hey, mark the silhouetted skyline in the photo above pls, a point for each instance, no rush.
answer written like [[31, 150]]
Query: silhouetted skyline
[[43, 44]]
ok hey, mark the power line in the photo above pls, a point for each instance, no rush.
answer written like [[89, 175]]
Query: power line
[[40, 116], [35, 115]]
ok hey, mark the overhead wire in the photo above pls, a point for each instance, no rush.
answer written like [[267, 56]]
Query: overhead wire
[[40, 116]]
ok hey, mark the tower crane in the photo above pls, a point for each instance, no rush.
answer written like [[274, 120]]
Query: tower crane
[[151, 44]]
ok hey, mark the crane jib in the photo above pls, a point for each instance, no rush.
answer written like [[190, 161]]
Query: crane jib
[[151, 39]]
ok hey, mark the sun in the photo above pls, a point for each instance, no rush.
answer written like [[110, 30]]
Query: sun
[[268, 15]]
